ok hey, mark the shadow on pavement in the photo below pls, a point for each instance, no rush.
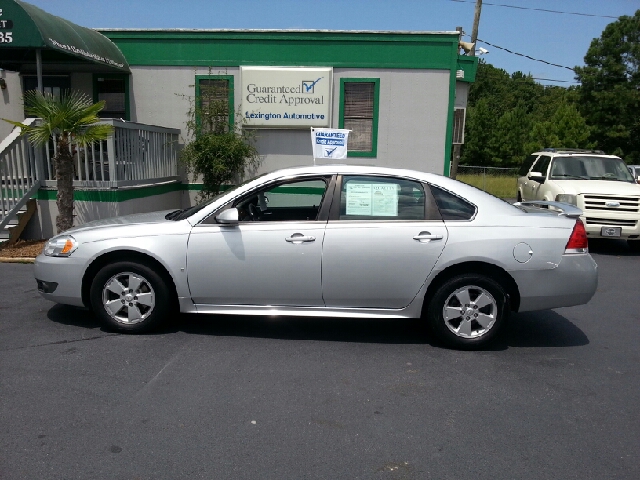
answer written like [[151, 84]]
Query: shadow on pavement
[[619, 248], [533, 329], [545, 328], [74, 316]]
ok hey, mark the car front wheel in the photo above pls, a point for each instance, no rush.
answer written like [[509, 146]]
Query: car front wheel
[[130, 297], [467, 311]]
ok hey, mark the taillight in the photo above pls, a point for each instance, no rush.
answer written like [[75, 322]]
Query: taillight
[[578, 242]]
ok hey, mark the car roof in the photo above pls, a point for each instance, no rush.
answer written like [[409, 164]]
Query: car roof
[[577, 153], [351, 169]]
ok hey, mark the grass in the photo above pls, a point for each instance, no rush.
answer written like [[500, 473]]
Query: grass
[[502, 186]]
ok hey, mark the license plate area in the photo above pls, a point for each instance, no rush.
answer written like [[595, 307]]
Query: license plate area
[[611, 231]]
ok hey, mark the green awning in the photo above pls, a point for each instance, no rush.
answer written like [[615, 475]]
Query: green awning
[[24, 27]]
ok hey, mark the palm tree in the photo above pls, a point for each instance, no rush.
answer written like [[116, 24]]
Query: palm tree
[[72, 119]]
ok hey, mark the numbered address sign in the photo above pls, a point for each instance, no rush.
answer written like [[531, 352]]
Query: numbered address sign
[[6, 35]]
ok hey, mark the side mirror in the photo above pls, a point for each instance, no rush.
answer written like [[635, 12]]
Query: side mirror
[[537, 177], [228, 217]]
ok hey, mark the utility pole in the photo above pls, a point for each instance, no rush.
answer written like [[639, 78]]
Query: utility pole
[[476, 21], [453, 172]]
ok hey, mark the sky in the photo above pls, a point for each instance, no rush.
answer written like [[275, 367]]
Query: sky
[[560, 38]]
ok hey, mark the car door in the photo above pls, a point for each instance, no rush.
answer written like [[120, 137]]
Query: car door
[[271, 256], [383, 238]]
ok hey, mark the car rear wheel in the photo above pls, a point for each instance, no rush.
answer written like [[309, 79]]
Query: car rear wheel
[[130, 297], [467, 311]]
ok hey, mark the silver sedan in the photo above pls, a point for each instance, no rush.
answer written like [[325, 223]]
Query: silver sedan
[[340, 241]]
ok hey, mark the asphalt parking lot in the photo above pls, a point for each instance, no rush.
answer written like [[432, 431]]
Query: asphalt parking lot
[[261, 398]]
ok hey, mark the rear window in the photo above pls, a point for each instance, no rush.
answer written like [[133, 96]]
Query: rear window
[[451, 206]]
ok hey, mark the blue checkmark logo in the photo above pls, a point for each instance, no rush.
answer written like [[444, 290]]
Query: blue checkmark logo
[[308, 85], [328, 152]]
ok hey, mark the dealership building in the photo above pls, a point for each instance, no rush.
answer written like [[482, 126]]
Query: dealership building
[[402, 95]]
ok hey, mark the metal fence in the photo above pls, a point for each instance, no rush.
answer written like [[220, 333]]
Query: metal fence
[[501, 182]]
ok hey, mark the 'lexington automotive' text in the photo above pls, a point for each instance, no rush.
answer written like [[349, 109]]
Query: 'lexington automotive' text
[[284, 95]]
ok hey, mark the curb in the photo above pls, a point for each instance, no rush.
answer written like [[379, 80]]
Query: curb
[[17, 260]]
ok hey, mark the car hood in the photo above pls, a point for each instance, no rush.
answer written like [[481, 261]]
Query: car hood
[[124, 221], [598, 187]]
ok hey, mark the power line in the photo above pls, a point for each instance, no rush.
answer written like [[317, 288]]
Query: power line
[[552, 80], [537, 9], [525, 56]]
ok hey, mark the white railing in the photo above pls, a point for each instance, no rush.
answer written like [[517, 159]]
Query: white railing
[[135, 154], [20, 174]]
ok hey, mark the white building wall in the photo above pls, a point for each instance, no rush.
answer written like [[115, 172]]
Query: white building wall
[[462, 94], [412, 121], [10, 102]]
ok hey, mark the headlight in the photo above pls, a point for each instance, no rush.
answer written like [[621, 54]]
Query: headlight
[[564, 198], [62, 246]]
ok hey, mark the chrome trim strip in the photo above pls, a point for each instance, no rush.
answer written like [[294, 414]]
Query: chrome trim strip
[[277, 310]]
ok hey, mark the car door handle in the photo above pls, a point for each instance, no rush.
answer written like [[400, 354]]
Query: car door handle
[[426, 237], [300, 238]]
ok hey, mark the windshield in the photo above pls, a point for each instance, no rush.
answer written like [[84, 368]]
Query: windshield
[[589, 168]]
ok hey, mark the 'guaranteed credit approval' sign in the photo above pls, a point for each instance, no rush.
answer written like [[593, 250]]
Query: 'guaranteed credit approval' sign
[[287, 97]]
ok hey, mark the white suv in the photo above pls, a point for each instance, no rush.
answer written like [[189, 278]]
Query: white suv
[[600, 185]]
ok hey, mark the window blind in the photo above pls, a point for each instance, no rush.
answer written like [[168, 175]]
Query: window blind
[[358, 114]]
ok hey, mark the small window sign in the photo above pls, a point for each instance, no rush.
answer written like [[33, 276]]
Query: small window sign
[[373, 199]]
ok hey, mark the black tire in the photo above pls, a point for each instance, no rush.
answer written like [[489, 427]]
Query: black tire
[[473, 332], [150, 298], [519, 199]]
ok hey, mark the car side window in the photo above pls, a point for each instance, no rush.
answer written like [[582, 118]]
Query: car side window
[[526, 165], [451, 206], [298, 200], [542, 164], [381, 198]]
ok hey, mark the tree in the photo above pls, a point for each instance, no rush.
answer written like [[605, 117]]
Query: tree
[[511, 135], [72, 118], [220, 151], [511, 116], [479, 127], [610, 92]]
